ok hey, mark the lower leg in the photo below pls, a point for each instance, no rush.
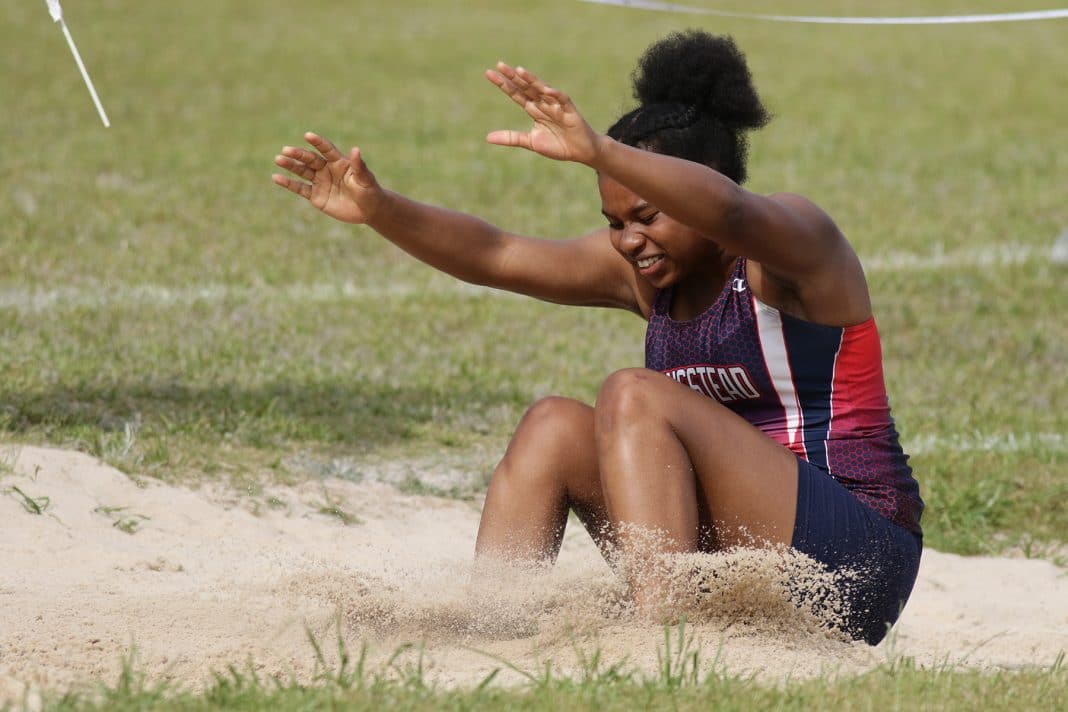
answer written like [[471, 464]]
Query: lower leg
[[521, 520], [550, 465]]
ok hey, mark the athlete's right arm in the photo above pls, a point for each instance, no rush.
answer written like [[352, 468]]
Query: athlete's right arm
[[583, 271]]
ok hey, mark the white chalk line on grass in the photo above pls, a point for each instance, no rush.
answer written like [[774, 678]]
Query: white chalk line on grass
[[939, 258], [985, 442], [1030, 15], [155, 295], [35, 300]]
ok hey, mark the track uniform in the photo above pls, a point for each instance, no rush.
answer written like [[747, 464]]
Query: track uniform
[[819, 391]]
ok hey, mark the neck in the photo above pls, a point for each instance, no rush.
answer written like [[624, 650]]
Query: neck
[[696, 293]]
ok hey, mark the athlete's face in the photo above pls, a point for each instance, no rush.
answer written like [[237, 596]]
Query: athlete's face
[[662, 251]]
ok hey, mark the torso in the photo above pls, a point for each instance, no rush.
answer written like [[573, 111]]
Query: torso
[[816, 389]]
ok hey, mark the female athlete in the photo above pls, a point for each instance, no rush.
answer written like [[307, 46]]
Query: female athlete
[[761, 416]]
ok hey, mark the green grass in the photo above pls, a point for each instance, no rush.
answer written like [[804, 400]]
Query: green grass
[[127, 522], [32, 505], [402, 683], [164, 307]]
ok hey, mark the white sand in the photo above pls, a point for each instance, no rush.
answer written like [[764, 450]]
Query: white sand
[[203, 582]]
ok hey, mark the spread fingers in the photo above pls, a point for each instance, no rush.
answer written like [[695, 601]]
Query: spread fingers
[[294, 186]]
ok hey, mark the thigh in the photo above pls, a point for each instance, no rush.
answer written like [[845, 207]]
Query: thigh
[[549, 467], [746, 482]]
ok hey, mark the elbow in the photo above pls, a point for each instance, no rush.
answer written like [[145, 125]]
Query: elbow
[[732, 216], [734, 211], [490, 263]]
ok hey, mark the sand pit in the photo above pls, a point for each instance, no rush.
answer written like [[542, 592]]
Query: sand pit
[[198, 580]]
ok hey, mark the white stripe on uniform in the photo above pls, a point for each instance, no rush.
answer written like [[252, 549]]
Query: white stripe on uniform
[[773, 342]]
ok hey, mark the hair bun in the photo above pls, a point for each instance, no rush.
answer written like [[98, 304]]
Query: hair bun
[[701, 70]]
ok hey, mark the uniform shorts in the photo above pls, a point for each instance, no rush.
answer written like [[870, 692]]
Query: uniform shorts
[[845, 535]]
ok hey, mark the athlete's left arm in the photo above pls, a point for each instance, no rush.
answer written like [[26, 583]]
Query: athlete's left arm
[[794, 241], [786, 232]]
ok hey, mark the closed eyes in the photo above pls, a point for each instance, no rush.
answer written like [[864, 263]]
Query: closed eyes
[[644, 220]]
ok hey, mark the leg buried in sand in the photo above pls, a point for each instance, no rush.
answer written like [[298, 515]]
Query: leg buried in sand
[[651, 456]]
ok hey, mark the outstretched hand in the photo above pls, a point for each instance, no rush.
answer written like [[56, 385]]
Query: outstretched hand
[[559, 131], [342, 187]]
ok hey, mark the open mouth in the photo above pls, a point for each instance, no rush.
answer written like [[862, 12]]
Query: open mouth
[[648, 262]]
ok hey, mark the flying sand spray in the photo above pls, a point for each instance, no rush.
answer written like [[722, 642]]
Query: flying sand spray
[[57, 15]]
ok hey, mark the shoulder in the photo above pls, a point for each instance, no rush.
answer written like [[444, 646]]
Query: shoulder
[[810, 216], [786, 232], [824, 282], [809, 238]]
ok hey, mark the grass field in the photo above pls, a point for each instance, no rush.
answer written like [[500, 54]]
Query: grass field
[[164, 307], [676, 687]]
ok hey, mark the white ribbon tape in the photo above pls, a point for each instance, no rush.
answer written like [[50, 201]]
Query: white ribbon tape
[[811, 19], [54, 10], [57, 16]]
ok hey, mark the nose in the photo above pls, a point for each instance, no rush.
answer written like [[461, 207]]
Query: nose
[[631, 240]]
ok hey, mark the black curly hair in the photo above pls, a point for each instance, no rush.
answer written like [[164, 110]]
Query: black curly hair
[[696, 101]]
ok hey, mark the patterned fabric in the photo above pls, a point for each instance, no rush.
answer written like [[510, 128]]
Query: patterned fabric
[[816, 389]]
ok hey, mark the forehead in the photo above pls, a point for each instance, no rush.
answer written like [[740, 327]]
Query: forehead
[[617, 199]]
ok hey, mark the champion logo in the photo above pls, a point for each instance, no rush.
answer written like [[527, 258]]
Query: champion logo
[[738, 285]]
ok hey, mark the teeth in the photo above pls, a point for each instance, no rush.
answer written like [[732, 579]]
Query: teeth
[[642, 264]]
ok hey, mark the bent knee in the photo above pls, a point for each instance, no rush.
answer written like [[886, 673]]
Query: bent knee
[[554, 437], [630, 396], [553, 427], [554, 416]]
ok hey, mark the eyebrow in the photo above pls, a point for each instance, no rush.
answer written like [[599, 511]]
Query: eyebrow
[[638, 208]]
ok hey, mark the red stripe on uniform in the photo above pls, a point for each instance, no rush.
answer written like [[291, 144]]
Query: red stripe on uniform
[[858, 401]]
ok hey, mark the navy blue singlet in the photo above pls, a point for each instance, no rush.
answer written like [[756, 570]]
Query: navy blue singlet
[[818, 390]]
